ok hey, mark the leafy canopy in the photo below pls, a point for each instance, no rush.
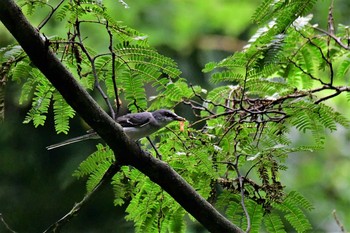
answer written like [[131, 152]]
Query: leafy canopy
[[235, 150]]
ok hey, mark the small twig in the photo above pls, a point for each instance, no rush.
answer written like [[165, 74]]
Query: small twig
[[5, 224], [324, 57], [158, 155], [331, 19], [205, 100], [241, 184], [197, 106], [213, 117], [341, 226], [55, 227], [93, 67], [338, 90], [327, 97], [226, 132], [259, 132], [53, 10], [178, 137], [110, 47], [336, 39], [306, 72], [331, 31], [161, 215], [139, 109]]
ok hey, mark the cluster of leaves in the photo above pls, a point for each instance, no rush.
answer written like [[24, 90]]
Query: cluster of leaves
[[275, 84], [125, 71]]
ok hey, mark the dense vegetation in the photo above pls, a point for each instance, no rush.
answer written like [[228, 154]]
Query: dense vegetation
[[235, 147]]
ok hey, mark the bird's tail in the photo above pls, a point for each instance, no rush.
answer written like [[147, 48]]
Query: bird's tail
[[88, 136]]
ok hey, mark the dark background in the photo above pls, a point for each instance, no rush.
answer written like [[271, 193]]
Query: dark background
[[36, 185]]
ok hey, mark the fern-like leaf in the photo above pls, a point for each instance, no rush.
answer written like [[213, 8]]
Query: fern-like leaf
[[343, 68], [273, 223], [256, 213], [134, 90], [41, 101], [291, 206], [263, 11], [100, 160], [62, 113]]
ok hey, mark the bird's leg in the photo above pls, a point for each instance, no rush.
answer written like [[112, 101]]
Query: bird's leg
[[158, 155]]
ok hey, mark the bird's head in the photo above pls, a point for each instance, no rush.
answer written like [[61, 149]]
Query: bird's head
[[164, 116]]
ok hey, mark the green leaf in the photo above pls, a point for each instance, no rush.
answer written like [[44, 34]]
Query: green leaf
[[62, 113], [295, 216], [41, 101], [273, 223]]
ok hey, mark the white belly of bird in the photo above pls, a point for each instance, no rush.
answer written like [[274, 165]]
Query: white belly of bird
[[137, 133]]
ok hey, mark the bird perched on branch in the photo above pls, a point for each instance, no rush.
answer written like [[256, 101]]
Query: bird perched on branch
[[135, 126]]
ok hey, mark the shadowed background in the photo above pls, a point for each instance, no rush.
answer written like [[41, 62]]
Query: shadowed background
[[37, 187]]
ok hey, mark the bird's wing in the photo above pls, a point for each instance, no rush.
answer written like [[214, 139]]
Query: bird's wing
[[134, 120]]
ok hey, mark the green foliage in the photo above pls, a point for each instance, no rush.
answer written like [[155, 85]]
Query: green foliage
[[293, 214], [279, 82], [41, 100], [37, 89], [31, 7], [138, 66], [275, 79], [10, 52], [153, 210], [95, 166], [273, 223], [62, 113], [284, 12], [343, 67]]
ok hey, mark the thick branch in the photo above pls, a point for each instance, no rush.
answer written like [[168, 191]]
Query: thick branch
[[127, 152]]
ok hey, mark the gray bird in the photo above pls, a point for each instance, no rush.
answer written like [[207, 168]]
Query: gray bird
[[135, 126]]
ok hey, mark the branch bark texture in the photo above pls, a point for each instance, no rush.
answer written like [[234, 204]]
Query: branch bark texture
[[127, 152]]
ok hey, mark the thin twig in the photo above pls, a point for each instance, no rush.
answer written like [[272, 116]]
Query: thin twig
[[110, 47], [213, 117], [6, 225], [197, 106], [55, 227], [205, 100], [178, 137], [327, 97], [93, 68], [341, 226], [336, 39], [331, 31], [158, 155], [241, 184], [53, 10], [324, 57], [306, 72]]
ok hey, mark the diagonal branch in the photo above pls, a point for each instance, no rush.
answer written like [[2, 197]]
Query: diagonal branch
[[127, 152], [6, 225], [53, 10]]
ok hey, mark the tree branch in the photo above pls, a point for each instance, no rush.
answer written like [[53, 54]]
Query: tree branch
[[6, 225], [53, 10], [55, 227], [127, 152]]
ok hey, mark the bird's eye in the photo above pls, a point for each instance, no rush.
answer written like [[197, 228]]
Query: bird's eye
[[169, 114]]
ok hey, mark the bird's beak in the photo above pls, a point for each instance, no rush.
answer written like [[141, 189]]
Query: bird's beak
[[178, 118]]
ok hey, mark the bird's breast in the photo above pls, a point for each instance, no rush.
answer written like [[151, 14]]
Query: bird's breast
[[141, 132]]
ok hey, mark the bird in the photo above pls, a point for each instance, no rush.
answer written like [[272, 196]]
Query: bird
[[135, 126]]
